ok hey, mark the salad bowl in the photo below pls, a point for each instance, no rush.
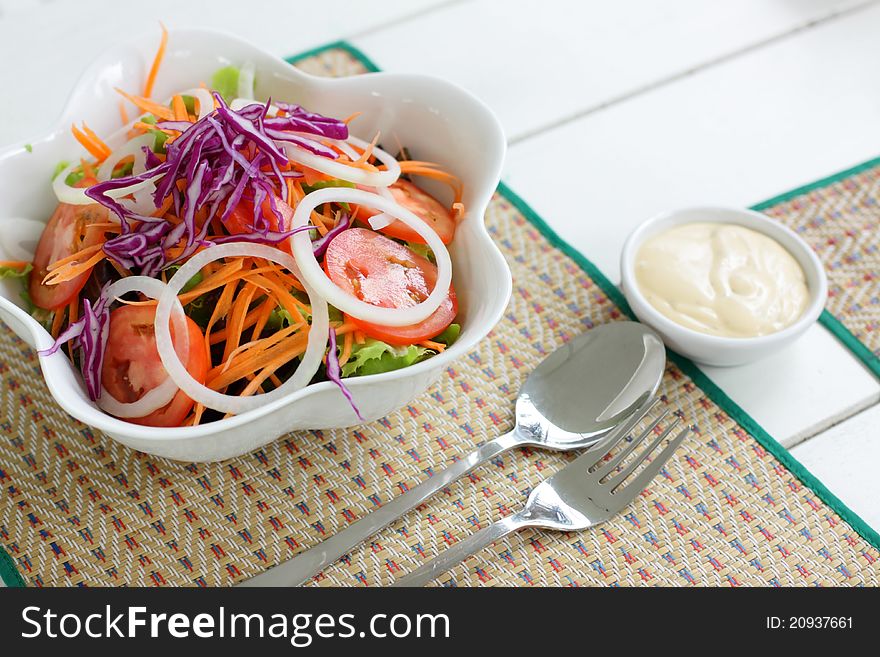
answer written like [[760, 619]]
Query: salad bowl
[[434, 119]]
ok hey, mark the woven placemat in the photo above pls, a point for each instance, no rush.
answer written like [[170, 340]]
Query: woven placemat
[[731, 508], [839, 217]]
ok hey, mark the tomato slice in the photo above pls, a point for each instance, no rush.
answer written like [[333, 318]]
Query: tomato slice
[[424, 206], [241, 219], [61, 238], [384, 273], [132, 365]]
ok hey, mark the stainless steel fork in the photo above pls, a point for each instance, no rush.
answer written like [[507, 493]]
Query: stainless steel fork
[[585, 493]]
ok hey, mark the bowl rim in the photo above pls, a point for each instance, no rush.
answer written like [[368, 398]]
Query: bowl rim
[[757, 221], [116, 426]]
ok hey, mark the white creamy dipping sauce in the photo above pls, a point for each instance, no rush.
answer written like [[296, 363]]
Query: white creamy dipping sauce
[[722, 279]]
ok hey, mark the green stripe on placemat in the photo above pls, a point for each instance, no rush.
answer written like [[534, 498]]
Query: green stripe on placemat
[[355, 52], [9, 574], [829, 321], [704, 382]]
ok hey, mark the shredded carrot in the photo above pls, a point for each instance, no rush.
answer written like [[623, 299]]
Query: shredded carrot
[[251, 319], [266, 370], [75, 257], [202, 287], [368, 152], [236, 317], [70, 271], [360, 337], [149, 106], [318, 222], [157, 61], [311, 176], [197, 414], [430, 344], [351, 118], [347, 342], [123, 113], [285, 299], [220, 310], [87, 169], [283, 352], [57, 322], [96, 139], [264, 312], [256, 347], [14, 264], [287, 280], [98, 149], [72, 316], [345, 328], [431, 170], [179, 108], [166, 205]]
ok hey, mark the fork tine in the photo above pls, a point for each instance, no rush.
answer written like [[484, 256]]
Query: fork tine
[[628, 492], [621, 431], [629, 469], [605, 468]]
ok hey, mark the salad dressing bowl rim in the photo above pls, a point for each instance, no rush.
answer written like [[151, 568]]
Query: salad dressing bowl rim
[[726, 351]]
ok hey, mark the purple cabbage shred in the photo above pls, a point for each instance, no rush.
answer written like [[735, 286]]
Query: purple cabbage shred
[[89, 336], [319, 246], [216, 162], [334, 373]]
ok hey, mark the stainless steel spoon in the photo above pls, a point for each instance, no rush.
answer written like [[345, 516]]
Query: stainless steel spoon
[[576, 395]]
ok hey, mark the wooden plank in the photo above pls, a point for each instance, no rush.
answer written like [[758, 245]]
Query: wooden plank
[[735, 134], [535, 67], [845, 459]]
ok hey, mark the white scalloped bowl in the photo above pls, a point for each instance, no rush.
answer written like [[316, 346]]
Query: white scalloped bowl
[[437, 121]]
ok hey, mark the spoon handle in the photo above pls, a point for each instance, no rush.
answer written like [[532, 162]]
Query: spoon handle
[[298, 570], [462, 550]]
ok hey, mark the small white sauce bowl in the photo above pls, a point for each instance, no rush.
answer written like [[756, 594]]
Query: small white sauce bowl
[[712, 349]]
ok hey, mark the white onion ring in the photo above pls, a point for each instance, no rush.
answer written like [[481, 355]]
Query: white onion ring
[[380, 221], [246, 80], [67, 194], [133, 147], [314, 275], [206, 101], [346, 171], [238, 104], [161, 395], [19, 238], [318, 334], [343, 145], [122, 146], [386, 193]]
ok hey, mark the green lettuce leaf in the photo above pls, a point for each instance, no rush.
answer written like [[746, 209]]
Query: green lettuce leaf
[[423, 250], [197, 278], [323, 184], [375, 357], [160, 137], [279, 319], [449, 336], [12, 272], [225, 82]]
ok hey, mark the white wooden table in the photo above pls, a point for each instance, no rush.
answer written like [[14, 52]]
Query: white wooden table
[[627, 107]]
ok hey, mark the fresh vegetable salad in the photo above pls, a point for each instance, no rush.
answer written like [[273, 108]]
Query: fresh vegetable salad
[[219, 252]]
